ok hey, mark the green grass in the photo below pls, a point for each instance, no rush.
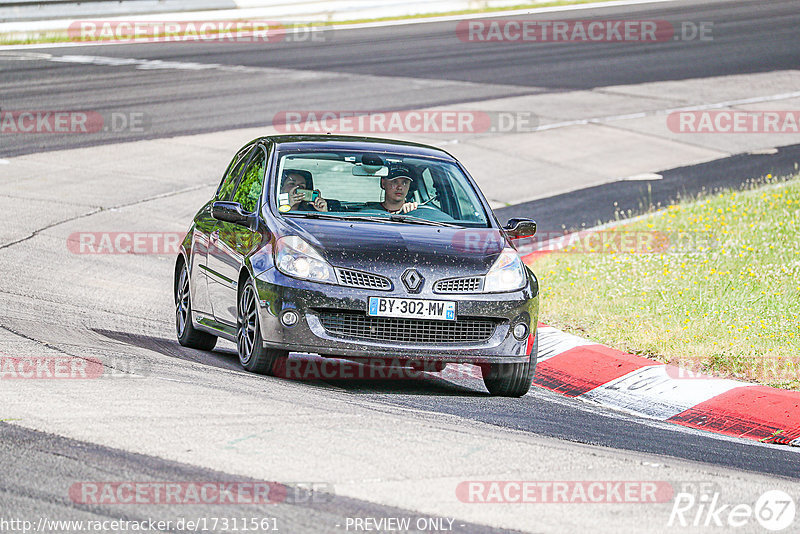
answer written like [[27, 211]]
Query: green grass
[[60, 36], [717, 290]]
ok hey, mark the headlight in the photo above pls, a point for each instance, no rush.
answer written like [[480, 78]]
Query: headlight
[[507, 273], [295, 257]]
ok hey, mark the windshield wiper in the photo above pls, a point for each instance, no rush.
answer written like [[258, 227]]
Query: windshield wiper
[[317, 215], [392, 217], [410, 219], [323, 215]]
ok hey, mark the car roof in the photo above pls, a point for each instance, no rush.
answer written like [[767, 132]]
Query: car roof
[[346, 142]]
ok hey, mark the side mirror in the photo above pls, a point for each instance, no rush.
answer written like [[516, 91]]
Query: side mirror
[[229, 212], [519, 228]]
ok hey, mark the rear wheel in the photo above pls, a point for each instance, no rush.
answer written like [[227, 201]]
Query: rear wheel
[[511, 379], [188, 335], [249, 343]]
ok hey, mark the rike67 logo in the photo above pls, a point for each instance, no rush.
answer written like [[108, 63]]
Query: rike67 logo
[[696, 506]]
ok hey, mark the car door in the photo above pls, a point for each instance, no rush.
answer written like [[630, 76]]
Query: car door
[[204, 225], [231, 242]]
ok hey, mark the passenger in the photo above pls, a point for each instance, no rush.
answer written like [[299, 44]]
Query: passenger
[[294, 180], [396, 185]]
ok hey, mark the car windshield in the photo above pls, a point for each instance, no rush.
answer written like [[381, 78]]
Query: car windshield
[[370, 186]]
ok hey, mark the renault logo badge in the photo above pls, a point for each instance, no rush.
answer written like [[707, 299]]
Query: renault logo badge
[[412, 280]]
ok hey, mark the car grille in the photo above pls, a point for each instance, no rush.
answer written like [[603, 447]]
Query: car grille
[[358, 325], [351, 278], [473, 284]]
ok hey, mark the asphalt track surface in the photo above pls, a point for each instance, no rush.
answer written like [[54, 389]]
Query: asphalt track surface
[[35, 487], [541, 412], [749, 37], [600, 204]]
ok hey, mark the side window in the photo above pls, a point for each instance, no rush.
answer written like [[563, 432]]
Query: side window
[[229, 181], [249, 190]]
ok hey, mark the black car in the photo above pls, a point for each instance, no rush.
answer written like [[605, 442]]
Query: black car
[[362, 249]]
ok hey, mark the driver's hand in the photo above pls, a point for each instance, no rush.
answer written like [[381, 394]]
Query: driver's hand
[[409, 206], [321, 204]]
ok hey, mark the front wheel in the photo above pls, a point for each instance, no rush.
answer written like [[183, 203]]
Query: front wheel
[[511, 379], [249, 343], [188, 335]]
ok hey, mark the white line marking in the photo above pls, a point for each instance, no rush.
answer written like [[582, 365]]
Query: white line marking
[[296, 75], [652, 392], [4, 162], [157, 64], [763, 152], [642, 177], [24, 56], [150, 64]]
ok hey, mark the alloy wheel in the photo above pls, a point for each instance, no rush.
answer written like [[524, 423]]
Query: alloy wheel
[[248, 322], [182, 304]]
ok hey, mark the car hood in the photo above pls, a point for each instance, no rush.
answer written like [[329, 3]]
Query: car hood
[[385, 247]]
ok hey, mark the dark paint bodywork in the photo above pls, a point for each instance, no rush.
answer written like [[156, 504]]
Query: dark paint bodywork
[[221, 254]]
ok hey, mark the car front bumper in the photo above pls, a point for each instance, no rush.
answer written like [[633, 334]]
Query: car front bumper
[[279, 293]]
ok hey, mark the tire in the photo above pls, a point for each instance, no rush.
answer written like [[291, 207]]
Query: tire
[[511, 379], [188, 335], [249, 344]]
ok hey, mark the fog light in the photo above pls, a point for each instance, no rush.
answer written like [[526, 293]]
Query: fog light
[[289, 318], [520, 331]]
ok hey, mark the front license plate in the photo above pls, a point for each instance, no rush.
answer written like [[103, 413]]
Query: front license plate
[[444, 310]]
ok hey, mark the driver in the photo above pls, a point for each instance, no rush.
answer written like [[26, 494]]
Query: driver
[[396, 184]]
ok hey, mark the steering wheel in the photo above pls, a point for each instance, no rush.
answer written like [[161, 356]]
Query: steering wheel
[[440, 215]]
